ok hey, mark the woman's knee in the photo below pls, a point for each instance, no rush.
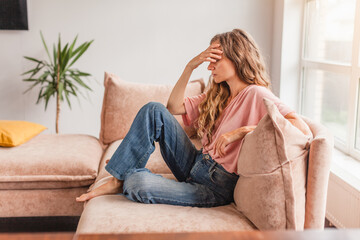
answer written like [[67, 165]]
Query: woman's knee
[[153, 106], [137, 185]]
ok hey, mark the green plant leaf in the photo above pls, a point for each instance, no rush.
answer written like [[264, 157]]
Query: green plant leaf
[[31, 87], [63, 53], [61, 88], [34, 73], [67, 99], [32, 59], [65, 59], [78, 73], [70, 53], [54, 56], [52, 76], [32, 70], [39, 96], [43, 77], [46, 102], [31, 80], [79, 48], [58, 56], [50, 90], [36, 69], [47, 64], [46, 48], [64, 50], [73, 92], [72, 47], [83, 49], [67, 94], [78, 80], [84, 74]]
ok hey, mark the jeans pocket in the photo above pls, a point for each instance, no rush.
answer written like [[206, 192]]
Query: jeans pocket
[[223, 170], [223, 182]]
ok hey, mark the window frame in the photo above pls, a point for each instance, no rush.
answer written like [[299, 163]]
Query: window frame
[[352, 69]]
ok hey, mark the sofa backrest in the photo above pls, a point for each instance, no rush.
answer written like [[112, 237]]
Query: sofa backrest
[[318, 171], [122, 100]]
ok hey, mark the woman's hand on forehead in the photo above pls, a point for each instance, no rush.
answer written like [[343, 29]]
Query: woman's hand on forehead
[[216, 46], [211, 54]]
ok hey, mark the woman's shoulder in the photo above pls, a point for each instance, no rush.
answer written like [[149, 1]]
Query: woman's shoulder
[[254, 89], [258, 93]]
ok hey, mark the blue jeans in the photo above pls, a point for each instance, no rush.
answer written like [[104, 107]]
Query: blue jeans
[[201, 182]]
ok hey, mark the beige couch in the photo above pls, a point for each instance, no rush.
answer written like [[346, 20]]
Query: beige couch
[[43, 176]]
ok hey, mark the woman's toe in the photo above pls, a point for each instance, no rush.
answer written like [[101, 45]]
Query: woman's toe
[[82, 198]]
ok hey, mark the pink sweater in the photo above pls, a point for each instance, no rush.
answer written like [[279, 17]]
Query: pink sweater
[[246, 109]]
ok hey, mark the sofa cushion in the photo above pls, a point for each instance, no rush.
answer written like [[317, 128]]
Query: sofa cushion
[[117, 214], [272, 168], [51, 161], [40, 202], [14, 133], [122, 100]]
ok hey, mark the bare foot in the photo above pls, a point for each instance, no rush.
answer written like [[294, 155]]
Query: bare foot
[[111, 187]]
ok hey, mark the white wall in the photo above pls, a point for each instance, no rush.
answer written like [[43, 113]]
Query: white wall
[[139, 40]]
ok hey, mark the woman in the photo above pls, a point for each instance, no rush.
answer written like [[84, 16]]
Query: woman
[[231, 108]]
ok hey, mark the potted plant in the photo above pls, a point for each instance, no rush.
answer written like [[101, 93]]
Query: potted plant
[[56, 77]]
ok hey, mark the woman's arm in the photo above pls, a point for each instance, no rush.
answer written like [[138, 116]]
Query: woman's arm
[[238, 134], [175, 104], [295, 120], [229, 137]]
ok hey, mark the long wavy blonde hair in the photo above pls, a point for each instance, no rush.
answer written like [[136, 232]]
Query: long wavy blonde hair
[[239, 47]]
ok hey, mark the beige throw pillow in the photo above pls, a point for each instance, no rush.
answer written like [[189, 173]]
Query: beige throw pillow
[[272, 167], [122, 100]]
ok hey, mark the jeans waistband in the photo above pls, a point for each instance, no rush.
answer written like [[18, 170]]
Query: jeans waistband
[[207, 157]]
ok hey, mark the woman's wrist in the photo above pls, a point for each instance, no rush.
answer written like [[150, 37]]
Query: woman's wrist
[[188, 68], [245, 130], [237, 134]]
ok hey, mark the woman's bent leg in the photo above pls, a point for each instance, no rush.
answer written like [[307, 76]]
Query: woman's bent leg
[[141, 185], [152, 123]]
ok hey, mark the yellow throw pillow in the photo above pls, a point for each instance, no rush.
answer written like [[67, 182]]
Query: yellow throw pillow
[[14, 133]]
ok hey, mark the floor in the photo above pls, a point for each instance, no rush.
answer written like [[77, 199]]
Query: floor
[[39, 224]]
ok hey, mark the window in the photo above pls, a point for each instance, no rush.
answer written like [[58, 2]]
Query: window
[[330, 78]]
